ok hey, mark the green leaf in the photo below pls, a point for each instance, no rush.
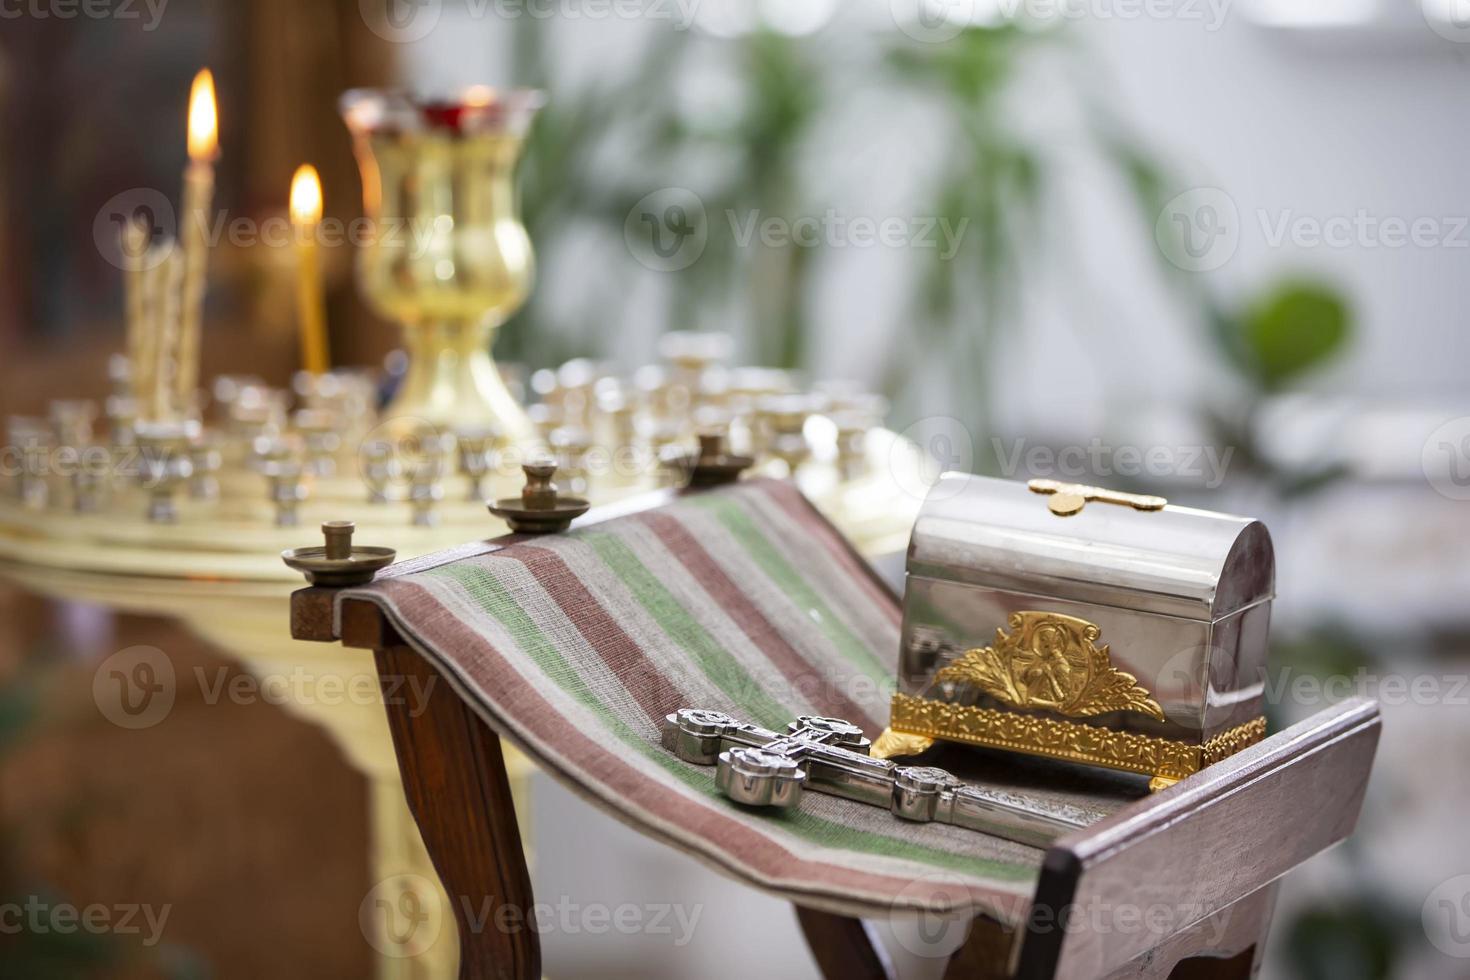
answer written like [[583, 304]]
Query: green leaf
[[1296, 327]]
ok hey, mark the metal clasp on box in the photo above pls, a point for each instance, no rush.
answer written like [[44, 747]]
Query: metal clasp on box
[[1069, 498]]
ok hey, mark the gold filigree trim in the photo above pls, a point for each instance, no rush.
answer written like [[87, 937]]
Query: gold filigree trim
[[1053, 662], [1226, 744], [1069, 741]]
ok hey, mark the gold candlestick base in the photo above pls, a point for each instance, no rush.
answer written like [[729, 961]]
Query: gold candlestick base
[[452, 382]]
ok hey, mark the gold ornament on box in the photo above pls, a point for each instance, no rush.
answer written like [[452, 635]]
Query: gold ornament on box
[[1053, 662]]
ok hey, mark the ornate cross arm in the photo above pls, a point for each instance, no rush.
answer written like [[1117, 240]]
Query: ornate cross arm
[[762, 768]]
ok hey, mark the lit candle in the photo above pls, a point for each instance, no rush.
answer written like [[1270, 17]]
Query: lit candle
[[311, 306], [194, 235]]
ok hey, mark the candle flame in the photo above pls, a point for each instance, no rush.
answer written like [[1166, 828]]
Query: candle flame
[[203, 118], [306, 195]]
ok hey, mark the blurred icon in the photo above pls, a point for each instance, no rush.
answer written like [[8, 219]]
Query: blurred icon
[[1450, 19], [135, 688], [1199, 230], [401, 21], [930, 448], [1446, 459], [933, 21], [667, 230], [932, 916], [401, 917], [1446, 917], [154, 214]]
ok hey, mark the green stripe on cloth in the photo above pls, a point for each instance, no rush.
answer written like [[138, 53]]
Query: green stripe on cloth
[[714, 660], [744, 529], [480, 584]]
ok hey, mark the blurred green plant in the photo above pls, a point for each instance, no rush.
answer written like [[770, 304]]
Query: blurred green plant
[[758, 148], [1358, 937], [1293, 328], [1297, 326], [992, 181]]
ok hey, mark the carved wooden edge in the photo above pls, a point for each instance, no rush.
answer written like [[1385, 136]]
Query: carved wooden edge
[[455, 781], [842, 946], [1206, 843], [314, 609], [312, 614]]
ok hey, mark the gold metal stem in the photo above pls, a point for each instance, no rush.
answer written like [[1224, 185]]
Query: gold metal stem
[[452, 381]]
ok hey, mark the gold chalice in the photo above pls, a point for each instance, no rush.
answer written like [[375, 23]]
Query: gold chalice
[[448, 256]]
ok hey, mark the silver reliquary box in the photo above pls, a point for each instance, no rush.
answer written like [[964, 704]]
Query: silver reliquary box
[[1082, 624]]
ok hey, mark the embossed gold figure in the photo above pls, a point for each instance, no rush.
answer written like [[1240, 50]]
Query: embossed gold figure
[[1051, 661], [448, 256]]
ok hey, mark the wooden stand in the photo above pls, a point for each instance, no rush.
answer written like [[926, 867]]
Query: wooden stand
[[1180, 884]]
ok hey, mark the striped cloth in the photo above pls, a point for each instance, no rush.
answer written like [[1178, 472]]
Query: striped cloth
[[743, 600]]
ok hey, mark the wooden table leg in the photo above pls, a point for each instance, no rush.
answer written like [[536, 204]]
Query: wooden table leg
[[842, 946], [986, 954], [454, 778]]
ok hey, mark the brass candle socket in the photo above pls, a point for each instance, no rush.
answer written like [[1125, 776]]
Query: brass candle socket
[[426, 470], [540, 509], [287, 489], [320, 431], [449, 259], [570, 445], [379, 469], [475, 444], [337, 562], [784, 418], [86, 490], [122, 416], [30, 439], [711, 465], [207, 461], [164, 464]]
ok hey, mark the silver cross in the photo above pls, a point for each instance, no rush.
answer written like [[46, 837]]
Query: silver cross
[[758, 767]]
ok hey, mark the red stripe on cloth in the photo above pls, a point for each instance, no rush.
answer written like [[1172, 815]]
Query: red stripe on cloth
[[745, 614], [656, 693], [805, 513], [712, 833]]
